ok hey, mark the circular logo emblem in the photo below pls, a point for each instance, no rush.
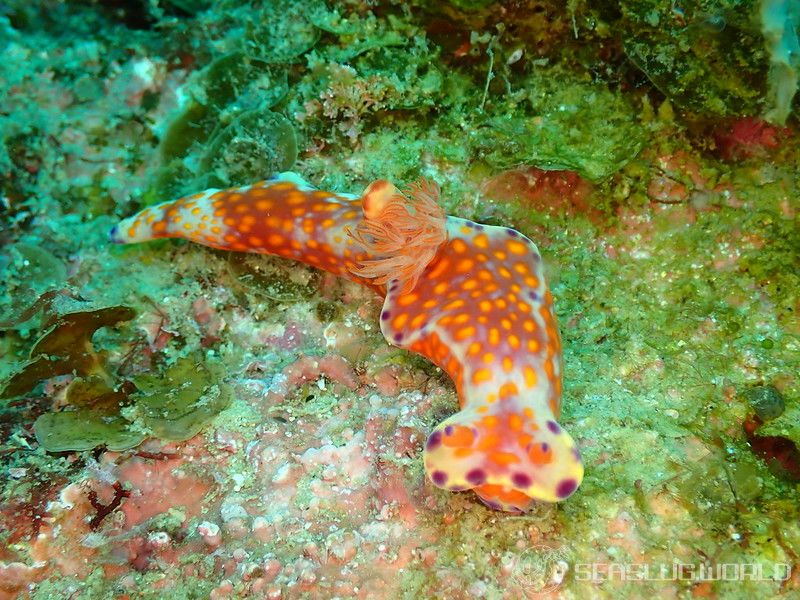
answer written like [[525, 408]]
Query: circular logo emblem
[[540, 569]]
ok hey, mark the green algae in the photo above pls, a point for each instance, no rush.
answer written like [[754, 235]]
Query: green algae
[[707, 56], [567, 124], [79, 430], [66, 347], [178, 403], [226, 133]]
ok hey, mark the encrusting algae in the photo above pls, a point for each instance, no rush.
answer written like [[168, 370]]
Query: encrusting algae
[[470, 297]]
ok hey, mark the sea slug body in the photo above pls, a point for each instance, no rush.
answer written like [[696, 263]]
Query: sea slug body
[[470, 297]]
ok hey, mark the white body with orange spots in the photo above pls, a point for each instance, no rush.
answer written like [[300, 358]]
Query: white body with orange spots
[[470, 297]]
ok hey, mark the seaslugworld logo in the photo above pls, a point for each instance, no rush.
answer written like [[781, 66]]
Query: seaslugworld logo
[[541, 569], [678, 571]]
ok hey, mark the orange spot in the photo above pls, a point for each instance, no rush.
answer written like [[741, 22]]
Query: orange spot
[[508, 364], [440, 288], [521, 268], [274, 239], [470, 284], [494, 336], [465, 265], [488, 358], [485, 305], [490, 421], [465, 333], [187, 226], [515, 422], [481, 241], [504, 272], [481, 375], [255, 241], [459, 245], [230, 238], [516, 247], [474, 348], [216, 230], [196, 211], [530, 376], [132, 232], [430, 303], [513, 341], [489, 441], [463, 452], [460, 437], [533, 346], [407, 299], [528, 412], [263, 204], [540, 456], [503, 458], [418, 320], [400, 320], [508, 390]]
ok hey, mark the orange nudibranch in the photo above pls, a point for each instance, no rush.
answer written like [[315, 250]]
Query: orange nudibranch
[[472, 298]]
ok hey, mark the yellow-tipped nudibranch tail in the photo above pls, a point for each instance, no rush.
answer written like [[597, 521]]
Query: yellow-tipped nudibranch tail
[[472, 298]]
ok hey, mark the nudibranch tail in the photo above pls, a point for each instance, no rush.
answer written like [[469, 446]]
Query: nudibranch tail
[[403, 231], [284, 216]]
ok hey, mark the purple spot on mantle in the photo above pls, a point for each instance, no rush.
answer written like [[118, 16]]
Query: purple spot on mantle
[[577, 454], [448, 430], [566, 487], [534, 296], [385, 315], [434, 440], [439, 478], [553, 426], [476, 476], [512, 232], [545, 446], [398, 337], [521, 480]]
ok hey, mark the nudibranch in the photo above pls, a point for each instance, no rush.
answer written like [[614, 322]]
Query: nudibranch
[[472, 298]]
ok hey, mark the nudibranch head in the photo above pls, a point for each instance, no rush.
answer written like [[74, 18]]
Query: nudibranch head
[[404, 231], [509, 457]]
